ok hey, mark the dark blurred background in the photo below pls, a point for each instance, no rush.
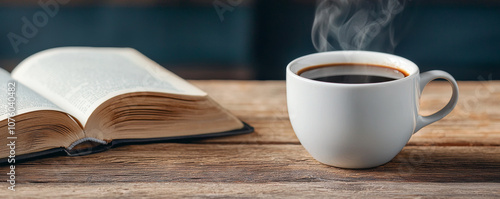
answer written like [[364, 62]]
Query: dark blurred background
[[245, 39]]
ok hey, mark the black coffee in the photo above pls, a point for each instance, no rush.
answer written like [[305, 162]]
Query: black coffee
[[351, 73], [354, 79]]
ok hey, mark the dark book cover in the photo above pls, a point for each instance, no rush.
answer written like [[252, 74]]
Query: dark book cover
[[119, 142]]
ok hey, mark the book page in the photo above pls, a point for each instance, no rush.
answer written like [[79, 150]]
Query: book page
[[79, 79], [21, 98]]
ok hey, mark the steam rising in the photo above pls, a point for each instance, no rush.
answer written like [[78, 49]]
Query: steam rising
[[355, 25]]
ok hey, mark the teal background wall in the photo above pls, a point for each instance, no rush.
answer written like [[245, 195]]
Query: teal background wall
[[257, 38]]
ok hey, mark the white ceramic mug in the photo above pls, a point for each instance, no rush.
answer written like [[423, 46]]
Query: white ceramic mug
[[359, 125]]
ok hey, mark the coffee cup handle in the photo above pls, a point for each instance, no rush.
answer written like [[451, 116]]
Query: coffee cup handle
[[426, 78]]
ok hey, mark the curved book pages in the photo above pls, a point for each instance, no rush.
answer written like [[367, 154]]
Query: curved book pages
[[82, 100]]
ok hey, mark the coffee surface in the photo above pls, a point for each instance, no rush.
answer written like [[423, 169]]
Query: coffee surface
[[354, 79], [352, 73]]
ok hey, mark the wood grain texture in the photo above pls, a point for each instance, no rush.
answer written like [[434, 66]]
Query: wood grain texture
[[256, 190], [172, 162], [458, 156], [474, 122]]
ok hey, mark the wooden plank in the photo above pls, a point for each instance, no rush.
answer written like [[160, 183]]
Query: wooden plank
[[271, 162], [171, 162], [252, 190], [474, 122]]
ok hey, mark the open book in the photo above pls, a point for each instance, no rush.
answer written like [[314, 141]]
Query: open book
[[81, 100]]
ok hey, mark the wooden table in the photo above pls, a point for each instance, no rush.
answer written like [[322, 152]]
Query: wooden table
[[457, 156]]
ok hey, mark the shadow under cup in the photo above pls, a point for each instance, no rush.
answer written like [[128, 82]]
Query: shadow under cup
[[357, 124]]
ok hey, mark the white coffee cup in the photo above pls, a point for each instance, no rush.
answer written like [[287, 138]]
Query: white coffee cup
[[359, 125]]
